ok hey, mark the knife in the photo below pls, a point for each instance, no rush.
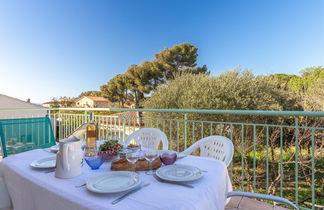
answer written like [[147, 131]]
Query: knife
[[128, 193], [50, 170], [177, 183]]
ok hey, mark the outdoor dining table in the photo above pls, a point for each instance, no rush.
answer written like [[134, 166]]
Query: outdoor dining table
[[32, 189]]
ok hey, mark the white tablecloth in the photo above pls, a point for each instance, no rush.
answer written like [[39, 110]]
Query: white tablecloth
[[32, 189]]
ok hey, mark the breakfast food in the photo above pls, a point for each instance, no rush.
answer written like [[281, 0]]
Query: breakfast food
[[141, 165], [110, 149], [111, 145], [132, 145]]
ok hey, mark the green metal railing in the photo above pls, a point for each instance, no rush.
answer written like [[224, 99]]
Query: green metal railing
[[276, 152]]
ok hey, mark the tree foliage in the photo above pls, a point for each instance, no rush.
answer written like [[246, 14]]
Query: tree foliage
[[63, 101], [179, 58], [308, 87], [309, 78], [141, 80], [313, 99], [116, 90], [228, 91], [90, 93]]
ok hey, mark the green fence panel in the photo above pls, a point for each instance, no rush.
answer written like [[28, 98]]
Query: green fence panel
[[19, 135]]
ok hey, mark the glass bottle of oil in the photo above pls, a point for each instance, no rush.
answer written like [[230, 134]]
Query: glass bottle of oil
[[91, 136]]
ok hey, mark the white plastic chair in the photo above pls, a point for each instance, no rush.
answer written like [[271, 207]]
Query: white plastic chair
[[263, 197], [222, 148], [217, 147], [148, 138]]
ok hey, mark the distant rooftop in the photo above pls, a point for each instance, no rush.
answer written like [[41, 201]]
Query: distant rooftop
[[97, 98], [11, 102]]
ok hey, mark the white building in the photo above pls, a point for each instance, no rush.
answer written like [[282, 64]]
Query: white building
[[93, 101], [10, 102], [47, 104]]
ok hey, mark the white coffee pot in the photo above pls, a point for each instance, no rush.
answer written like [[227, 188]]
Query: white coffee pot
[[69, 158]]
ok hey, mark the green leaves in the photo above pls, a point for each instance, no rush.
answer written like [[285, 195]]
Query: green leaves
[[181, 58], [231, 90], [110, 144], [116, 89], [309, 87], [90, 93], [309, 79], [141, 80]]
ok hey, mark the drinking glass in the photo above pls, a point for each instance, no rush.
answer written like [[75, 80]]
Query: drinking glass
[[168, 158], [121, 141], [132, 157], [94, 161], [150, 155]]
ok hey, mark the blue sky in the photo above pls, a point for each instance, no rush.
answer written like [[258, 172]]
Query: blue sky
[[61, 48]]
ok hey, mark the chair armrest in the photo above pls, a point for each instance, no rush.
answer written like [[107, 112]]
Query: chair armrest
[[191, 149], [262, 196]]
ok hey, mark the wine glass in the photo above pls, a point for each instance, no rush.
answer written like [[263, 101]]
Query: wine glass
[[168, 158], [132, 157], [150, 155]]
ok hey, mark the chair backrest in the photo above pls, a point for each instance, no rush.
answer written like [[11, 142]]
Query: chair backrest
[[148, 138], [217, 147], [19, 135]]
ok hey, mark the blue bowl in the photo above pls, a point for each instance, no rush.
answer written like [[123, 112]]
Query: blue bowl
[[94, 162]]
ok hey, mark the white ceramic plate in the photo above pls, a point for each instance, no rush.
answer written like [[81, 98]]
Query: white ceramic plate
[[179, 154], [54, 148], [179, 173], [113, 182], [44, 163]]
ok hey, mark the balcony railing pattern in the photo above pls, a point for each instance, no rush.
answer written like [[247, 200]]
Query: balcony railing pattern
[[276, 152]]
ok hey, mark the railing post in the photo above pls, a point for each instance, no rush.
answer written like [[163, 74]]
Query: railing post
[[242, 157], [85, 116], [54, 127], [177, 135], [124, 126], [49, 113], [281, 159], [59, 129], [313, 168], [267, 159], [296, 160], [185, 131], [254, 158], [170, 128], [53, 124]]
